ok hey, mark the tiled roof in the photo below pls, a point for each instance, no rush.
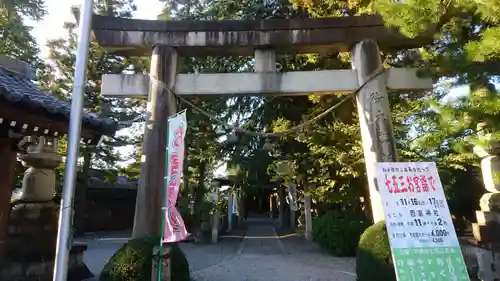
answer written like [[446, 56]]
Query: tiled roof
[[23, 92]]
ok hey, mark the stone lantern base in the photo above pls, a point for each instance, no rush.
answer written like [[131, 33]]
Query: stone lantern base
[[31, 245], [42, 270]]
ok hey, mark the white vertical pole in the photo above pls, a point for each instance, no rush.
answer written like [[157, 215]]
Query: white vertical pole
[[374, 117], [215, 217], [65, 227], [230, 202], [292, 192], [236, 198], [281, 206], [307, 211]]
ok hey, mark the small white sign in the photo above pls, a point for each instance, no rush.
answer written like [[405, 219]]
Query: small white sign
[[234, 208]]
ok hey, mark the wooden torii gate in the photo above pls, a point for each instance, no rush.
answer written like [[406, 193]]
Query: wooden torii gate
[[165, 41]]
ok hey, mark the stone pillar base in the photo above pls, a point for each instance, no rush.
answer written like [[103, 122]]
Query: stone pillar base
[[31, 245], [487, 228], [485, 234], [488, 264], [165, 257], [42, 269], [33, 230]]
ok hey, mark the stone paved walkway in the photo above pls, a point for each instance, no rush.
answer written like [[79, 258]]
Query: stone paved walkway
[[264, 255], [257, 255]]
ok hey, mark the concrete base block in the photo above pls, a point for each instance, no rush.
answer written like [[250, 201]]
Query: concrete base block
[[162, 253]]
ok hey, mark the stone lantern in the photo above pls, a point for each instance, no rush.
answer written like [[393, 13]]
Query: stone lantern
[[34, 214], [486, 229], [41, 159]]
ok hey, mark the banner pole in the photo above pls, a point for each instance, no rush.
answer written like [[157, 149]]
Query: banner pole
[[164, 207], [65, 225]]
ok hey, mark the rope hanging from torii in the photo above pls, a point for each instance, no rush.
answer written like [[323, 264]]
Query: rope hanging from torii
[[267, 135]]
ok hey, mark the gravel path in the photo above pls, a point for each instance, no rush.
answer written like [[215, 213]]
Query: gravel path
[[260, 254]]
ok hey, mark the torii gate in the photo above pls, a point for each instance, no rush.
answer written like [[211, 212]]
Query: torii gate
[[165, 41]]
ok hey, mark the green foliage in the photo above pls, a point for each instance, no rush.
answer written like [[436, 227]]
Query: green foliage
[[411, 16], [338, 233], [464, 50], [15, 36], [328, 152], [133, 262], [374, 259], [58, 79]]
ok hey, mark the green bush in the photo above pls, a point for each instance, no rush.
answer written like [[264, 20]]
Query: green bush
[[337, 233], [374, 260], [133, 262]]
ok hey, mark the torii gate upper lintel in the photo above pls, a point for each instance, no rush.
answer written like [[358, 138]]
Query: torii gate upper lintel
[[134, 37], [166, 40]]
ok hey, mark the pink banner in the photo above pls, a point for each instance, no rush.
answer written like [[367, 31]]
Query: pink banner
[[175, 229]]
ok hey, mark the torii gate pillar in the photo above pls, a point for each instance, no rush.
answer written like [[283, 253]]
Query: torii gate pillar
[[375, 118], [161, 105]]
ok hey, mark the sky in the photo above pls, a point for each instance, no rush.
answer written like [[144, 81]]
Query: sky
[[59, 12]]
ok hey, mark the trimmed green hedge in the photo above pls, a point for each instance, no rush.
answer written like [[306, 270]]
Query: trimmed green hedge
[[133, 262], [374, 259], [337, 233]]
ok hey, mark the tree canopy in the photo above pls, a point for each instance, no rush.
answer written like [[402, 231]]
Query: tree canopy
[[428, 126]]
